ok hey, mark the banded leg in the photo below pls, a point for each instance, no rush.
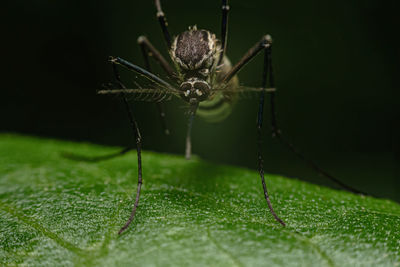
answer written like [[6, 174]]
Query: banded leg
[[224, 29], [149, 50], [138, 139], [163, 23]]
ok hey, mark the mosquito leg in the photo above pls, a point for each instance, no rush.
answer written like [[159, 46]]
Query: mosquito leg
[[276, 132], [259, 136], [138, 139], [96, 158], [163, 23], [188, 149], [224, 29], [266, 43], [148, 75], [133, 67], [192, 113], [263, 44], [148, 49], [260, 45]]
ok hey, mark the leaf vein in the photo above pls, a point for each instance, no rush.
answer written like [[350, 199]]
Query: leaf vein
[[69, 246]]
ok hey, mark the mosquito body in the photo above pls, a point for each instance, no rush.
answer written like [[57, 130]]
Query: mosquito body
[[204, 78], [196, 55]]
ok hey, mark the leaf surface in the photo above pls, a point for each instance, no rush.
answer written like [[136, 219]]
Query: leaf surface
[[58, 212]]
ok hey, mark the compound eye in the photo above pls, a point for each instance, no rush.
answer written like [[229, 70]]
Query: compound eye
[[201, 86], [186, 86]]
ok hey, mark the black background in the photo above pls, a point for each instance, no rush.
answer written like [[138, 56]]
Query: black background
[[336, 66]]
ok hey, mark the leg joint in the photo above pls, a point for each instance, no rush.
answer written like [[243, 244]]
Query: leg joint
[[160, 14], [112, 59], [138, 139], [266, 41], [225, 7], [142, 39]]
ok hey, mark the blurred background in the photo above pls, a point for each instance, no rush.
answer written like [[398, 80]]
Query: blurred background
[[336, 65]]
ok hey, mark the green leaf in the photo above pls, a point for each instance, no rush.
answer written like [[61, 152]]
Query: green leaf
[[55, 211]]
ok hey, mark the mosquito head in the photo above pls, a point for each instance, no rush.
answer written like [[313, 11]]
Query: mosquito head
[[195, 90], [195, 50]]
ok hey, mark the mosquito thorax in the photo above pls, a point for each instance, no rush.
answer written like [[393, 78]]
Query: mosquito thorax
[[195, 53], [195, 90]]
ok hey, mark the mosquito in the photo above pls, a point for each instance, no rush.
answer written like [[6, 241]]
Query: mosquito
[[204, 78]]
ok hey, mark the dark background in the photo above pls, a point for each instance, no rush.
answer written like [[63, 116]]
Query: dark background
[[336, 66]]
